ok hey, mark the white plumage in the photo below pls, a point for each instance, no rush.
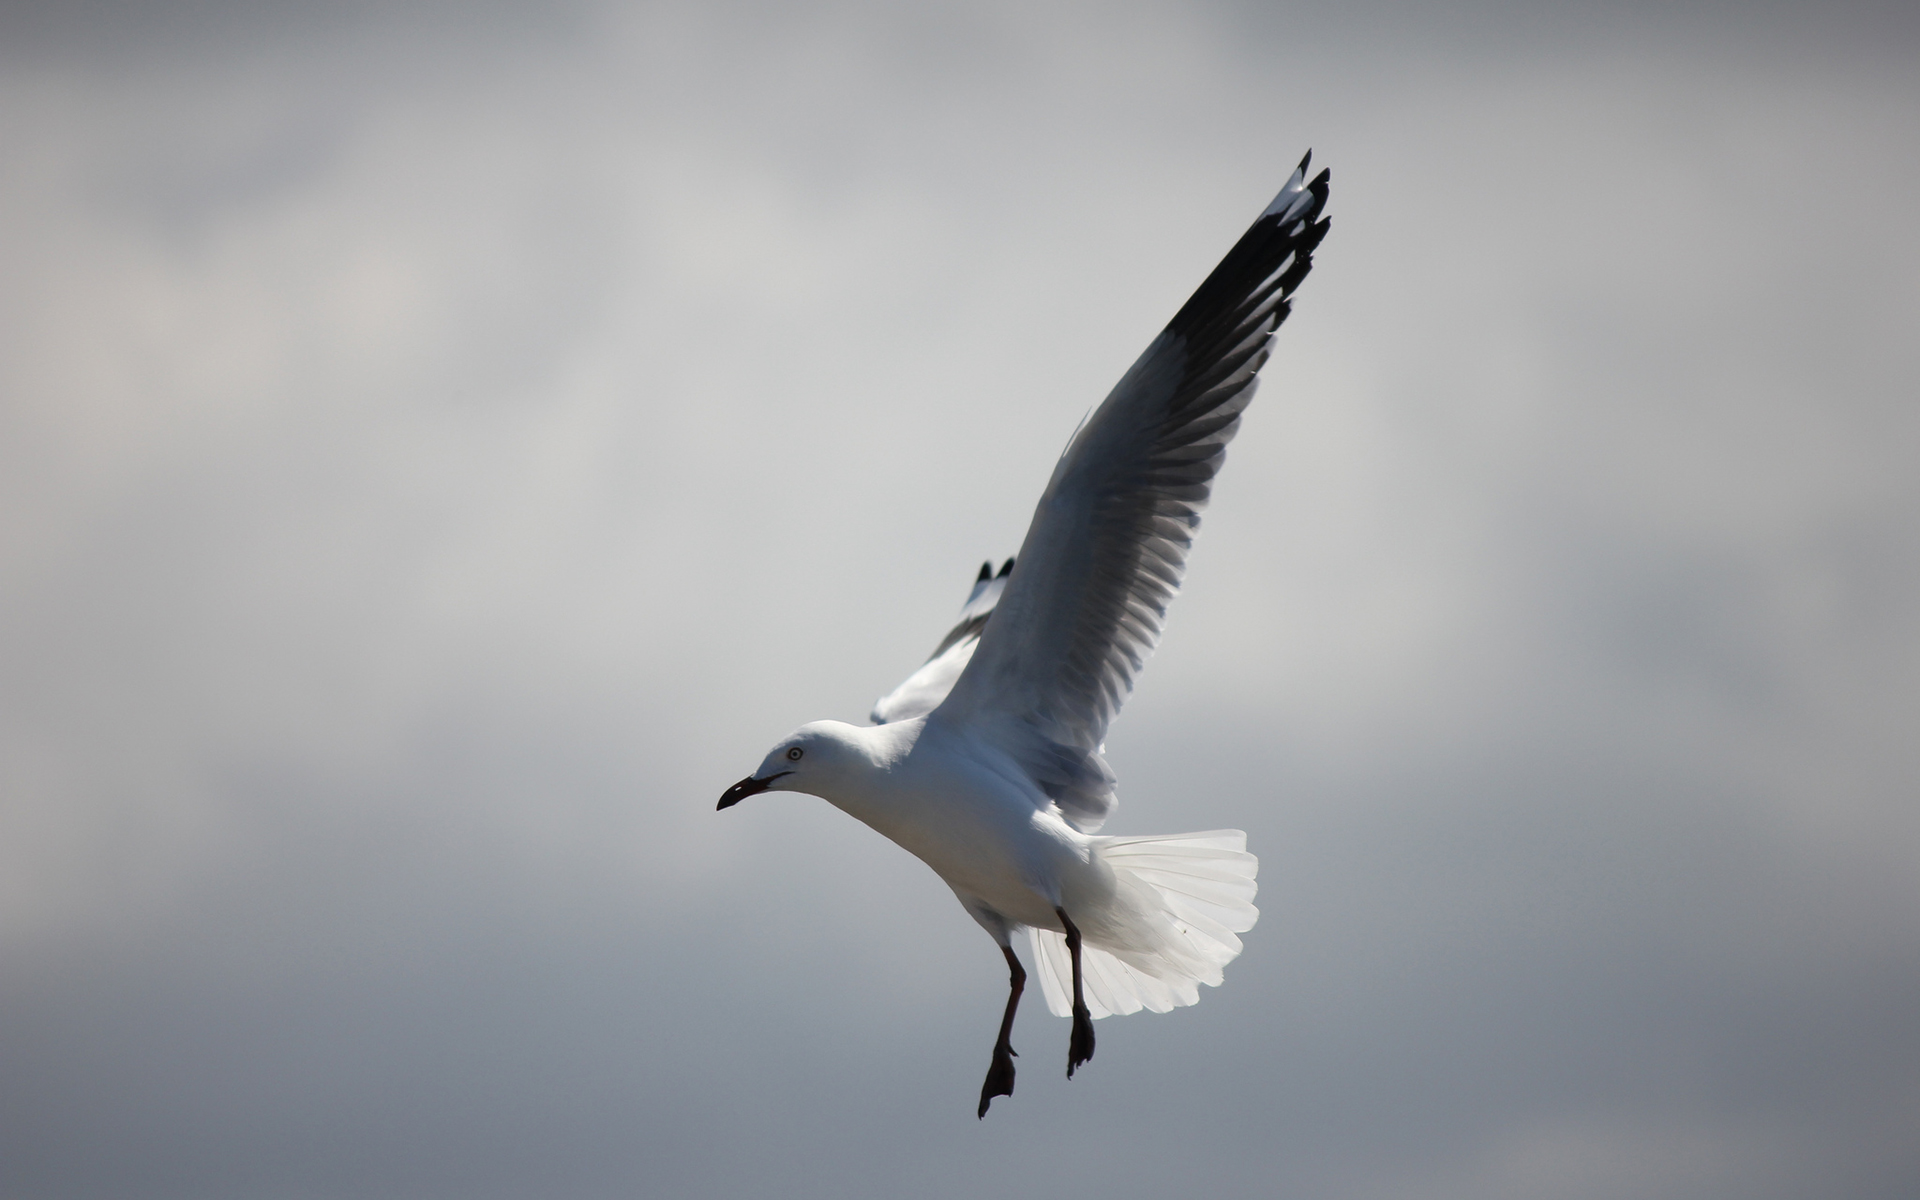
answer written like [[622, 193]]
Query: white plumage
[[1201, 895], [986, 762]]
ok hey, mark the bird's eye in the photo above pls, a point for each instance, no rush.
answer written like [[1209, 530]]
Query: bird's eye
[[794, 754]]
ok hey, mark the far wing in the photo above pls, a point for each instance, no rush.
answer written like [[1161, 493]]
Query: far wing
[[1109, 540], [926, 688]]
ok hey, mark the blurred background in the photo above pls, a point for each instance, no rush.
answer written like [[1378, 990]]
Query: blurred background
[[443, 445]]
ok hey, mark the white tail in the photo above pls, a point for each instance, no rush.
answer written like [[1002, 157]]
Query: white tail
[[1190, 892]]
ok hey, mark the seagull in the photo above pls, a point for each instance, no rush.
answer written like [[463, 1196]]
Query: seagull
[[986, 763]]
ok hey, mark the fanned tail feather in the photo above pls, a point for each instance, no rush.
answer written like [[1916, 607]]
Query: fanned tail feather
[[1193, 893]]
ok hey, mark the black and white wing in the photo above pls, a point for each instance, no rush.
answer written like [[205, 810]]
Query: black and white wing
[[923, 690], [1108, 544]]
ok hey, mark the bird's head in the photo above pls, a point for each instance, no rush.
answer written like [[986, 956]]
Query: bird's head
[[811, 759]]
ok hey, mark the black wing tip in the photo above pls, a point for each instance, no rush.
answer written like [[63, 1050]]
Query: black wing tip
[[1218, 307], [1004, 571], [1305, 160], [1319, 187], [986, 572]]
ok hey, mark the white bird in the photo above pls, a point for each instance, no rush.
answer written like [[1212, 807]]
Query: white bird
[[986, 763]]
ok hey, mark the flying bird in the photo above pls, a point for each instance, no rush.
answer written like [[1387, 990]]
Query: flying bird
[[986, 762]]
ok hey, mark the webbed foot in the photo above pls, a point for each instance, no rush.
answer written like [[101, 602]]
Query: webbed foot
[[999, 1077], [1080, 1049]]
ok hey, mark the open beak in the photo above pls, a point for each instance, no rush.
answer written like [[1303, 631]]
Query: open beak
[[748, 787]]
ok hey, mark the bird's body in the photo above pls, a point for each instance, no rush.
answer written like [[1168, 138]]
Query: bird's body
[[968, 809], [965, 808], [986, 763]]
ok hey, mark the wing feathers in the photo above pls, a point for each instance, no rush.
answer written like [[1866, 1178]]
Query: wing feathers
[[1108, 544], [928, 686]]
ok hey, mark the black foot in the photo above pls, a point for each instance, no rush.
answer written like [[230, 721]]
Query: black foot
[[999, 1077], [1080, 1049]]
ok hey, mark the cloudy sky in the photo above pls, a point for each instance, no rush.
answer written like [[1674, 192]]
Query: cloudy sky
[[442, 446]]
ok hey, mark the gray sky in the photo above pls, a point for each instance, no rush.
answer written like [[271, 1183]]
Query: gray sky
[[440, 450]]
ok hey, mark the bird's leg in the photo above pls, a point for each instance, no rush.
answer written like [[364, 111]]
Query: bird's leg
[[1080, 1048], [1000, 1074]]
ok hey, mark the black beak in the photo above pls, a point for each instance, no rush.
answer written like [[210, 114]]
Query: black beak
[[747, 787]]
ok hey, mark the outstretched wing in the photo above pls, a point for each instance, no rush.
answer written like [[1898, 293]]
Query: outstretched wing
[[926, 688], [1109, 540]]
